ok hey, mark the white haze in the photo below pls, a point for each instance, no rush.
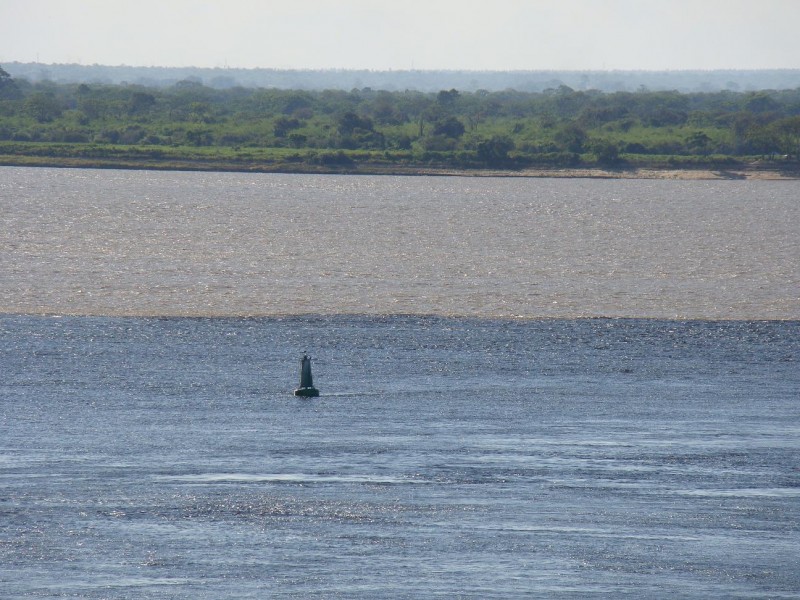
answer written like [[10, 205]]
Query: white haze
[[413, 34]]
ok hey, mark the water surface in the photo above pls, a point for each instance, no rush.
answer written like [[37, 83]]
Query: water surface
[[166, 458], [204, 244], [150, 446]]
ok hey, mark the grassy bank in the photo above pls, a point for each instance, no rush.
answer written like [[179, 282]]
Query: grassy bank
[[191, 126], [283, 160]]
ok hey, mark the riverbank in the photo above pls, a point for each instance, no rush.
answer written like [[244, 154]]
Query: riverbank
[[744, 171], [684, 174], [626, 173]]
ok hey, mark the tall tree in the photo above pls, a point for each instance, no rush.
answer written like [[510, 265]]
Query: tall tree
[[43, 106], [8, 88]]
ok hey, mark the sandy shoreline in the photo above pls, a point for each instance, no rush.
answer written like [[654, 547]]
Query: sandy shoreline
[[746, 172], [634, 173], [686, 174]]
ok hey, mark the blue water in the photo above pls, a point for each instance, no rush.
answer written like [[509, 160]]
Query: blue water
[[457, 458]]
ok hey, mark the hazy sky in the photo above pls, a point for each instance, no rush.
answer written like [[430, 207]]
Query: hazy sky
[[406, 34]]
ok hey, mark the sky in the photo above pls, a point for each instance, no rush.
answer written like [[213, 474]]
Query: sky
[[406, 34]]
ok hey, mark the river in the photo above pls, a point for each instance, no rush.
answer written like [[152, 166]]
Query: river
[[230, 244]]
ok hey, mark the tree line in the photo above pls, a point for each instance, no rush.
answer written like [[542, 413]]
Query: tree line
[[500, 129], [427, 80]]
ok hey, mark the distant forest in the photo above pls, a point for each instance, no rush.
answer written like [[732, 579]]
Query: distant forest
[[418, 80], [465, 128]]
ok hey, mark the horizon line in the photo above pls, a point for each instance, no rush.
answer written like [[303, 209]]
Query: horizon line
[[406, 70]]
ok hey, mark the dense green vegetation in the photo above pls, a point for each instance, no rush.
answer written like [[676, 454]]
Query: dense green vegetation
[[189, 125]]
